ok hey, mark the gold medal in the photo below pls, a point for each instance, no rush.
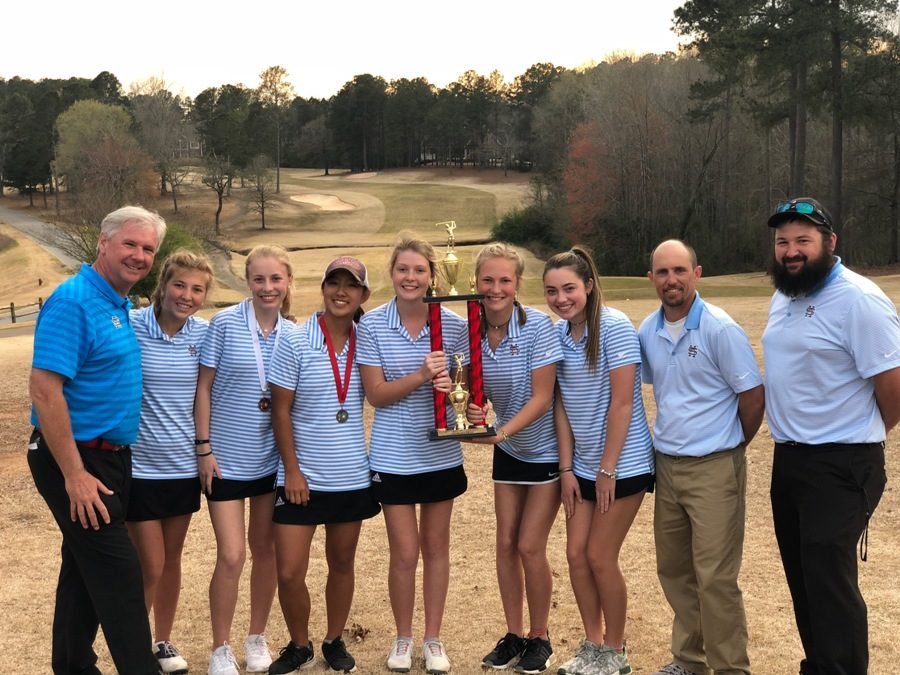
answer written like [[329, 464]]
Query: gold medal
[[265, 404], [342, 416]]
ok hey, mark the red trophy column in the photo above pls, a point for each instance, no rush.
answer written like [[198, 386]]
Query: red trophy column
[[437, 345]]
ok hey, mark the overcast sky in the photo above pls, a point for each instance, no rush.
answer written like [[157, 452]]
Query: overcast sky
[[323, 44]]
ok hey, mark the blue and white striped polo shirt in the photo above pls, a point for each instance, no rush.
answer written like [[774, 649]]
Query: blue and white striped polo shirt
[[399, 443], [165, 444], [84, 334], [696, 380], [507, 383], [240, 433], [332, 455], [821, 352], [586, 396]]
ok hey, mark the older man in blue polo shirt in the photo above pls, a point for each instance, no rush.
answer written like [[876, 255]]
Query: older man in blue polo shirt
[[86, 390], [832, 357], [709, 405]]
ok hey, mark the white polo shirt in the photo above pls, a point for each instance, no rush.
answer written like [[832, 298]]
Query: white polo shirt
[[240, 433], [507, 383], [586, 396], [332, 455], [399, 441], [696, 380], [821, 352], [164, 448]]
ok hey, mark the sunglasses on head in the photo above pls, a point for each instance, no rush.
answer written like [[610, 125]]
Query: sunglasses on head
[[797, 207]]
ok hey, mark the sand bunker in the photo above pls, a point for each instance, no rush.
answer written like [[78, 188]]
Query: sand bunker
[[360, 176], [325, 202]]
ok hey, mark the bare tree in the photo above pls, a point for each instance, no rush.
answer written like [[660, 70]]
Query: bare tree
[[263, 194], [217, 176]]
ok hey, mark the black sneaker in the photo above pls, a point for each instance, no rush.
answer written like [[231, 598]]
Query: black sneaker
[[337, 656], [291, 659], [506, 652], [535, 657]]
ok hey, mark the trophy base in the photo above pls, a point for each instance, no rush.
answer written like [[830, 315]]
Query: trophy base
[[461, 434]]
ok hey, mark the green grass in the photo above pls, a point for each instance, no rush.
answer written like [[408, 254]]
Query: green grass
[[418, 207]]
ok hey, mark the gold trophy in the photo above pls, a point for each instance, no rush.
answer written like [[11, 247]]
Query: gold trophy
[[450, 262], [458, 396]]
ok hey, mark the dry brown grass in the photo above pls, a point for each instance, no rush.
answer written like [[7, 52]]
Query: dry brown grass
[[473, 617]]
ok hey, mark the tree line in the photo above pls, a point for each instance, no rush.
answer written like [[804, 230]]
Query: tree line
[[770, 99]]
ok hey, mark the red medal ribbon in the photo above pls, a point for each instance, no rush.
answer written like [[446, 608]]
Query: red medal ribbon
[[341, 391]]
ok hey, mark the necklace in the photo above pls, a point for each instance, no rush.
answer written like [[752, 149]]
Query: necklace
[[500, 327]]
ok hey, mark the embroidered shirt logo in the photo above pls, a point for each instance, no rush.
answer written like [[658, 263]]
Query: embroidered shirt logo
[[693, 351], [810, 310], [192, 350], [115, 322], [514, 349]]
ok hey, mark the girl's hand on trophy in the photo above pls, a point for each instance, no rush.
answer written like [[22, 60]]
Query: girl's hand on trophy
[[442, 381], [433, 365], [475, 414]]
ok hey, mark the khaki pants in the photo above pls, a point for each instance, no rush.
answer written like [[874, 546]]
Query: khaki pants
[[699, 528]]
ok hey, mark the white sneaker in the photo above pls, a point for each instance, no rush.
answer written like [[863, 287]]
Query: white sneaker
[[222, 662], [170, 661], [400, 657], [436, 660], [256, 654]]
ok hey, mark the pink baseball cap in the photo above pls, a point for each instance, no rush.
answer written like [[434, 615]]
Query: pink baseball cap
[[352, 265]]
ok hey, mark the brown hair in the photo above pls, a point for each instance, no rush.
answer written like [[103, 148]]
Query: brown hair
[[281, 255], [579, 259], [181, 259], [507, 252], [406, 242]]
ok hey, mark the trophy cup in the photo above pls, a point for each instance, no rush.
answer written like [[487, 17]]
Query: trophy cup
[[459, 397]]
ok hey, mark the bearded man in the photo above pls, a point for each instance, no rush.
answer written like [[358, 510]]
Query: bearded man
[[832, 360]]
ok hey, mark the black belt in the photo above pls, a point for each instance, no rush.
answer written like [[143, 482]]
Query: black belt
[[830, 446]]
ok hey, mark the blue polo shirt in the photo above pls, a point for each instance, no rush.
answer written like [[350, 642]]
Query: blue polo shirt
[[821, 352], [240, 433], [696, 380], [507, 383], [164, 448], [84, 333], [586, 396], [399, 442], [332, 455]]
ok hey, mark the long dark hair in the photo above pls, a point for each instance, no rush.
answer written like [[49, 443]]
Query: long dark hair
[[579, 259]]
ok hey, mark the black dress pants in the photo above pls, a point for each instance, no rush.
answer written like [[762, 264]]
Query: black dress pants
[[822, 497], [100, 580]]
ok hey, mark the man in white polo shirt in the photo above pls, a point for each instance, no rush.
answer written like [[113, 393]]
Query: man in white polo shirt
[[709, 405], [832, 357]]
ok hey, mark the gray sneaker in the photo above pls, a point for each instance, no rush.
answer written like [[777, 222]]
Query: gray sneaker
[[674, 669], [584, 655], [607, 661]]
